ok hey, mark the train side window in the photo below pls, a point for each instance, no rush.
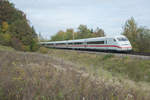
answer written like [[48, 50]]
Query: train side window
[[60, 44], [96, 42], [77, 43], [114, 40], [70, 43]]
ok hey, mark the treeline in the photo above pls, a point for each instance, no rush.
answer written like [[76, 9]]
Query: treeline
[[15, 30], [138, 36], [82, 32]]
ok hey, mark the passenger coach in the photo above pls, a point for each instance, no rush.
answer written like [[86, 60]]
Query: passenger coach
[[115, 43]]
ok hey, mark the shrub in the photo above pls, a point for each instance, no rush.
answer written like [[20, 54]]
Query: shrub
[[16, 43], [43, 50], [34, 45], [108, 56], [25, 48], [5, 39]]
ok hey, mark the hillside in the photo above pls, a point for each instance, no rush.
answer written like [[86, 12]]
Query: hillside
[[15, 29], [124, 66], [35, 76]]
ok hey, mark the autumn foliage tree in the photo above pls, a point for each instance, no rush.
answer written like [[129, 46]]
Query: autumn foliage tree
[[15, 30], [5, 36]]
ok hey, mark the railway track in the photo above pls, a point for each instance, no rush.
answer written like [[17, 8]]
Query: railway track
[[138, 55]]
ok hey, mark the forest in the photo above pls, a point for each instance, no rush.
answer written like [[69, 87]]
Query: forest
[[15, 29]]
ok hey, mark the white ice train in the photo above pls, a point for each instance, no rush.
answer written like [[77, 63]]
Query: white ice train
[[108, 43]]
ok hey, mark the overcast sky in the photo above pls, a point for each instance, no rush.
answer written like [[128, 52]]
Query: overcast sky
[[50, 16]]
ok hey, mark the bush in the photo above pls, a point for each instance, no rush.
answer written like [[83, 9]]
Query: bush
[[43, 50], [25, 48], [5, 39], [108, 56], [34, 45], [16, 44]]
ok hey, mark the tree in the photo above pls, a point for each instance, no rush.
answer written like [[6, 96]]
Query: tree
[[21, 30], [131, 31], [59, 36], [138, 36], [69, 34], [99, 32], [5, 27], [83, 32], [143, 40], [5, 37]]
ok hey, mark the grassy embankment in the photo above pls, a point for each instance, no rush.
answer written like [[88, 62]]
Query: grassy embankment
[[59, 76], [112, 66]]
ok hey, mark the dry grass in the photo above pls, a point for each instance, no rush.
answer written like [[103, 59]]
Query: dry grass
[[5, 48], [107, 65], [31, 76]]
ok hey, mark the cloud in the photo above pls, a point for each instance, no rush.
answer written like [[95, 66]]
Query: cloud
[[50, 16]]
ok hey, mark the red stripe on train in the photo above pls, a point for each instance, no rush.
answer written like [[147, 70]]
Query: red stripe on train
[[98, 46]]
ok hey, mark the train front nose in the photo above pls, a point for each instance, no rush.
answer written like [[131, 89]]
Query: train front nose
[[125, 46]]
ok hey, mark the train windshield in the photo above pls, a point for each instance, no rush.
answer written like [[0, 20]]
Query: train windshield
[[122, 39]]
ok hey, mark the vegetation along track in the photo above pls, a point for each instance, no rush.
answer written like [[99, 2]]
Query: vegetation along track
[[140, 53], [132, 54]]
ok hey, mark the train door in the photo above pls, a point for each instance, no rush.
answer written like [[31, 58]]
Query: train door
[[110, 43], [106, 43], [85, 44]]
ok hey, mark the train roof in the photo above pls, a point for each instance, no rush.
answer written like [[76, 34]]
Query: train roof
[[115, 36], [82, 40], [53, 42]]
